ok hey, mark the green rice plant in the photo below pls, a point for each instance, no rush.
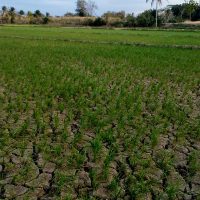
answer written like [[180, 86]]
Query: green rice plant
[[55, 122], [96, 146], [68, 197], [39, 121], [115, 188], [61, 107], [109, 158], [61, 181], [57, 150], [171, 191], [164, 160], [76, 159], [193, 160], [136, 187], [154, 137], [23, 129], [16, 117], [77, 138], [93, 177], [64, 136], [108, 137], [80, 159]]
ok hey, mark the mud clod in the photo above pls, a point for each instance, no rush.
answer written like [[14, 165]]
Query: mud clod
[[12, 191]]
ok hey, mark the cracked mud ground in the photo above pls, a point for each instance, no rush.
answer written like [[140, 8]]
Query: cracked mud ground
[[77, 128], [60, 162]]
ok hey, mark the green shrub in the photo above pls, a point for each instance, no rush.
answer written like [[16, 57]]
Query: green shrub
[[45, 20], [146, 19], [130, 21], [98, 22]]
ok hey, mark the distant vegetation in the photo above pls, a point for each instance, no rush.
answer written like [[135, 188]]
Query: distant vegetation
[[85, 16]]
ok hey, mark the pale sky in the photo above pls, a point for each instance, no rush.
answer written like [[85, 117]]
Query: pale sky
[[60, 7]]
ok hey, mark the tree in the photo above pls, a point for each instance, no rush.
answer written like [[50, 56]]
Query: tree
[[81, 8], [12, 14], [177, 11], [158, 2], [196, 14], [98, 22], [190, 7], [69, 14], [29, 14], [21, 12], [4, 9], [130, 20], [91, 7], [5, 15], [12, 9], [146, 18], [120, 14], [37, 13], [47, 14], [46, 18]]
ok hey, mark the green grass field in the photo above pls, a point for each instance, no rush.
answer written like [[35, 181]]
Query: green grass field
[[83, 115], [161, 37]]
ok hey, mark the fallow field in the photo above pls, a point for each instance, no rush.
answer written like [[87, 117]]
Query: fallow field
[[99, 114]]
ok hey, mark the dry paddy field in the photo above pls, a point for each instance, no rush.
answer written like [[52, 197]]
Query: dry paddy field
[[99, 114]]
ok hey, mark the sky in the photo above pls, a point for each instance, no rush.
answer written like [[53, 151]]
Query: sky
[[60, 7]]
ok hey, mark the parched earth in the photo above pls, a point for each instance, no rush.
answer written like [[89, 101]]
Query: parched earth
[[100, 119], [27, 174], [49, 164]]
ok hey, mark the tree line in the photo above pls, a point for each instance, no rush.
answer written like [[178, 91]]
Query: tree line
[[171, 14]]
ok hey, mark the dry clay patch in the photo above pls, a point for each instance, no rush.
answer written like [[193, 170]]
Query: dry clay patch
[[51, 165]]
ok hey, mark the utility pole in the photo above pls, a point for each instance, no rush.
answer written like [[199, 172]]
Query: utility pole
[[156, 13]]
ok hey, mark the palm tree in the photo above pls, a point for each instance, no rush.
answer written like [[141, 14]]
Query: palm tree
[[158, 2], [21, 12], [190, 7], [37, 13], [12, 14], [4, 9]]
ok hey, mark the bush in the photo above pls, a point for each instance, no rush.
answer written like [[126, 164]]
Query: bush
[[196, 14], [98, 22], [117, 24], [130, 21], [71, 21], [5, 19], [87, 22], [174, 20], [146, 19], [36, 20], [45, 20]]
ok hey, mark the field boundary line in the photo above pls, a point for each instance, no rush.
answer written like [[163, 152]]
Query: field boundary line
[[105, 42]]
